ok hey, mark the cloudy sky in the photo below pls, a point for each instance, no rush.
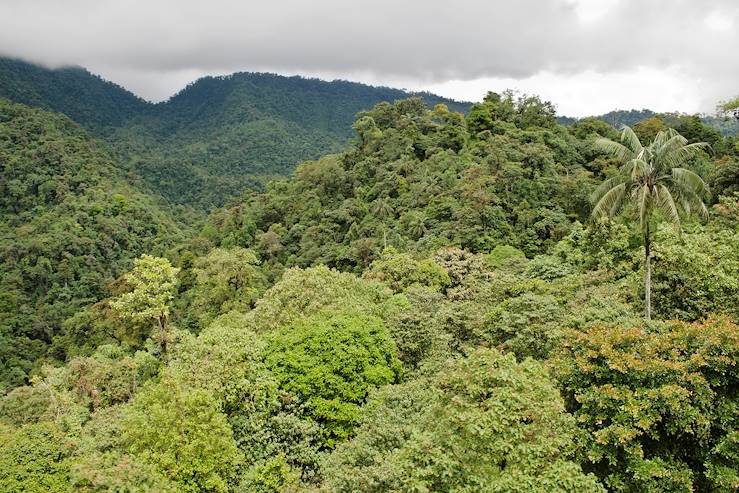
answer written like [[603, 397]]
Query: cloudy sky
[[586, 56]]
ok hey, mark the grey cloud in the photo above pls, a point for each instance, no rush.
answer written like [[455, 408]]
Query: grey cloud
[[431, 41]]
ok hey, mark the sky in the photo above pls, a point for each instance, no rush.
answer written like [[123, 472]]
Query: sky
[[586, 56]]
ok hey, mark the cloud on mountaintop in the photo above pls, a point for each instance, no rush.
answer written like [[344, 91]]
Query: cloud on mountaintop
[[154, 47]]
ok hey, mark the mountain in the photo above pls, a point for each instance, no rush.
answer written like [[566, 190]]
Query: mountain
[[221, 135], [216, 137], [70, 223], [84, 97]]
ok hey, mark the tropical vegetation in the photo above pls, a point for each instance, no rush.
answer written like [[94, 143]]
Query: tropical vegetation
[[450, 301]]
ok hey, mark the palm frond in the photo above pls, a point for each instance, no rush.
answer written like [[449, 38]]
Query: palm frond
[[669, 152], [630, 140], [610, 201], [659, 139], [702, 210], [684, 178], [667, 203], [690, 201], [612, 148], [604, 187], [695, 148]]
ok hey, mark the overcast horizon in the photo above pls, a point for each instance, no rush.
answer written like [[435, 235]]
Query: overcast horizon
[[588, 57]]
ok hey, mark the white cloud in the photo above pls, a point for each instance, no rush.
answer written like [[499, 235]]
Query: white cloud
[[582, 54], [592, 93], [719, 21], [592, 10]]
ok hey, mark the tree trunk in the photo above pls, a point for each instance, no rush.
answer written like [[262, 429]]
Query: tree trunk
[[647, 279], [163, 334]]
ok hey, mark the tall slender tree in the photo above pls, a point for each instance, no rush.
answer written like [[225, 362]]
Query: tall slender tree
[[652, 177]]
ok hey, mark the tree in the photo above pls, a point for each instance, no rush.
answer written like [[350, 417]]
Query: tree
[[33, 458], [484, 424], [659, 403], [154, 281], [226, 280], [331, 362], [401, 272], [183, 433], [653, 177], [304, 292], [526, 325]]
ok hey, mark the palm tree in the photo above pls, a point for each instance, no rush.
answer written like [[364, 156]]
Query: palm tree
[[382, 208], [652, 177]]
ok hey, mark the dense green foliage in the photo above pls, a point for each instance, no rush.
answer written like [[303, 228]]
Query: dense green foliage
[[214, 138], [330, 363], [182, 433], [70, 223], [660, 403], [420, 180], [84, 97], [723, 123], [489, 425], [430, 309]]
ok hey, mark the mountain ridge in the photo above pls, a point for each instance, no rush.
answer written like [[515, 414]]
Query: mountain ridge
[[214, 138]]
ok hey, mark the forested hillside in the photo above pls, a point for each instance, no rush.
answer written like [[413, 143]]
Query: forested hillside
[[70, 223], [213, 139], [452, 303], [87, 99]]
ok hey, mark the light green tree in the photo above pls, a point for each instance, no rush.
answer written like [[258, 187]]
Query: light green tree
[[154, 282], [33, 458], [331, 362], [485, 424], [182, 432], [653, 177]]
